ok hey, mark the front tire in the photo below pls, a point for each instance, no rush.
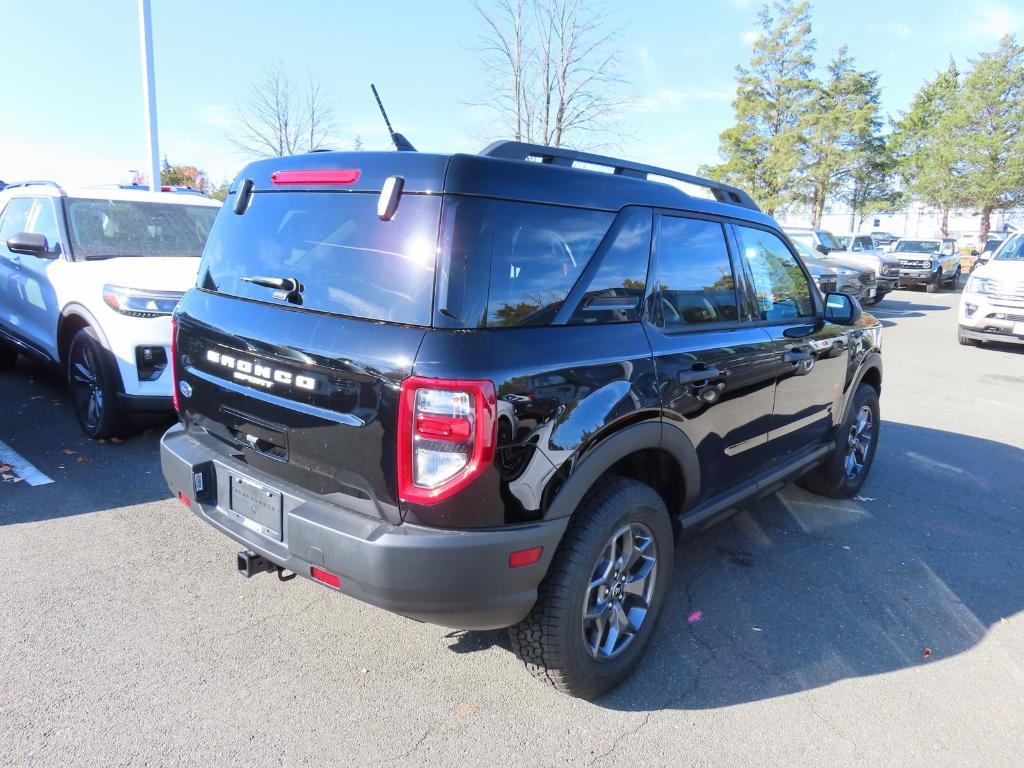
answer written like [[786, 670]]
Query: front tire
[[954, 281], [95, 386], [936, 283], [597, 606], [844, 471]]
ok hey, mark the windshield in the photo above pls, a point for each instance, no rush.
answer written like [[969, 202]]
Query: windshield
[[103, 229], [1011, 250], [828, 240], [918, 246], [346, 259], [843, 241]]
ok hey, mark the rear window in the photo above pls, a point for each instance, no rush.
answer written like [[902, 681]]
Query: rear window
[[103, 229], [348, 261]]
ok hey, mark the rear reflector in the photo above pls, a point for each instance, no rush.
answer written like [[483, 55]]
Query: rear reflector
[[185, 499], [325, 577], [524, 557], [317, 176]]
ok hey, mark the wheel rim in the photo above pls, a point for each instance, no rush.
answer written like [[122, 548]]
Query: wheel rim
[[620, 591], [859, 443], [86, 386]]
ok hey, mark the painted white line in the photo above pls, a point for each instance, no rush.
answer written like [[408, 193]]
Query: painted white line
[[22, 467]]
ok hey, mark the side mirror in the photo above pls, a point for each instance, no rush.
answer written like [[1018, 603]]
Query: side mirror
[[842, 309], [821, 248], [28, 243], [974, 251]]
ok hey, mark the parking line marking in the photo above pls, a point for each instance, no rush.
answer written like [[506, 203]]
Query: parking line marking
[[22, 467]]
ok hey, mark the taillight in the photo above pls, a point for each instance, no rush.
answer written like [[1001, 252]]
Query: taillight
[[174, 363], [446, 437]]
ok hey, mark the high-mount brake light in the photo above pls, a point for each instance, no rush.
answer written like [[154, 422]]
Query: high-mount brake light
[[316, 176], [174, 364], [446, 437]]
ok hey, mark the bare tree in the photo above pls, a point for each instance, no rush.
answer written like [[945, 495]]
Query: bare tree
[[554, 68], [281, 118]]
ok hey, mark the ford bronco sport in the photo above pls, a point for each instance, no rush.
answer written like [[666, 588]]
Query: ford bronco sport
[[492, 390]]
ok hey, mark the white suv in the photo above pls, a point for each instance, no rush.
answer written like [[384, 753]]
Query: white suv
[[88, 280], [992, 304]]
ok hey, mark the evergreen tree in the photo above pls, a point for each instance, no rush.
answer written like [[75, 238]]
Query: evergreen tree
[[989, 129], [926, 145], [763, 152], [843, 133]]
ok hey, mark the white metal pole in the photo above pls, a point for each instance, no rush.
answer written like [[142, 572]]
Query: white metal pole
[[149, 91]]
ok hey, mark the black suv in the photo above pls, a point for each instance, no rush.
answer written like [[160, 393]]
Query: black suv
[[493, 390]]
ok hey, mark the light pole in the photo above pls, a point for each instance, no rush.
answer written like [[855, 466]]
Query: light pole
[[149, 91]]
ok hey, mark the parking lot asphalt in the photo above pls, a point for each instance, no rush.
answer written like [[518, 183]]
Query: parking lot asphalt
[[885, 630]]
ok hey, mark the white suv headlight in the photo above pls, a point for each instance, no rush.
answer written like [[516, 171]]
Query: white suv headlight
[[140, 303], [977, 284]]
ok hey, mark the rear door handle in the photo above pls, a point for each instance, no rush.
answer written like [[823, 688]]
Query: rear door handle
[[698, 375]]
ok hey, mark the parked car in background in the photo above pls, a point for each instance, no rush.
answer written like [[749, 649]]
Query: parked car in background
[[992, 304], [884, 238], [88, 280], [931, 262], [831, 273], [988, 250], [883, 278], [887, 269]]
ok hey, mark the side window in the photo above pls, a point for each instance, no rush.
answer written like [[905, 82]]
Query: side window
[[617, 288], [781, 288], [695, 279], [43, 221], [866, 243], [538, 253], [15, 217]]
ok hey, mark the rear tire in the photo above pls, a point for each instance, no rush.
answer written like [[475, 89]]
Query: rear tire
[[843, 472], [95, 386], [577, 655]]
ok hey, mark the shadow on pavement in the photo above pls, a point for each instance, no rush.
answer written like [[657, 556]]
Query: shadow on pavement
[[800, 591], [38, 421]]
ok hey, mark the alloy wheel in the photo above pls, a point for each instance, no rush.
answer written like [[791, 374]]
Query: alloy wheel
[[86, 386], [620, 591], [859, 443]]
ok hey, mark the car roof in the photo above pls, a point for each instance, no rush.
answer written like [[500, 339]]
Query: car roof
[[505, 171], [102, 192]]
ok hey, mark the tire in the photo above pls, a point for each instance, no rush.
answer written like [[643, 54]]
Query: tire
[[966, 341], [954, 281], [936, 284], [553, 639], [95, 386], [8, 357], [833, 478]]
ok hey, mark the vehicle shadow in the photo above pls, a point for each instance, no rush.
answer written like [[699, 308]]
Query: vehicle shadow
[[800, 591], [38, 421]]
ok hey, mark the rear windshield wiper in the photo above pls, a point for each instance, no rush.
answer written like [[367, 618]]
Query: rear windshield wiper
[[287, 288]]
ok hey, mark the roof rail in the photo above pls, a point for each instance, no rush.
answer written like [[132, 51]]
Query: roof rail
[[517, 150], [37, 182]]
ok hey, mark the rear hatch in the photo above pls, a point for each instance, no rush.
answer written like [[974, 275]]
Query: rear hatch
[[304, 385]]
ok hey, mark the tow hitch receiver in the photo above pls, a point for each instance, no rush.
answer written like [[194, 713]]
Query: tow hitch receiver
[[250, 564]]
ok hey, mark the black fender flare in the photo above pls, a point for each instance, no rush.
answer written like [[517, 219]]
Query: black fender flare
[[69, 311], [872, 361], [638, 437]]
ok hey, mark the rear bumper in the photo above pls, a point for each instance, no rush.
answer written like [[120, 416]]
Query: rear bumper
[[454, 578]]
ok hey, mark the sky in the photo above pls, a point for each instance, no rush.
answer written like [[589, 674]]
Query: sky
[[73, 107]]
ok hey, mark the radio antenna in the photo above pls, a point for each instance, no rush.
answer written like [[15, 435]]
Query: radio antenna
[[401, 143]]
